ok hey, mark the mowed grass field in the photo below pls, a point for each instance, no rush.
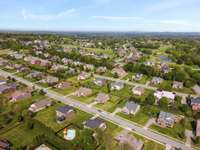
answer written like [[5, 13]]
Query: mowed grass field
[[48, 117], [21, 136]]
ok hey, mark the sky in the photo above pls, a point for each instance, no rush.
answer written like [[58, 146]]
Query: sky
[[101, 15]]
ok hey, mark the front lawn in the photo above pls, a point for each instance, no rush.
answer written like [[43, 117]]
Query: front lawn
[[48, 117], [140, 117], [178, 131], [110, 105]]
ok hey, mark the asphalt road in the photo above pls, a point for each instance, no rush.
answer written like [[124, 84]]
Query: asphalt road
[[105, 115]]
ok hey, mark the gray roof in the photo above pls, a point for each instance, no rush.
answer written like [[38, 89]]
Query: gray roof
[[167, 117], [42, 103], [195, 100], [120, 84], [93, 123], [131, 106], [5, 87], [65, 109]]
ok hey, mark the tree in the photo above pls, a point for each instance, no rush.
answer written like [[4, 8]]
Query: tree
[[163, 102], [104, 139], [108, 87], [29, 124], [150, 99]]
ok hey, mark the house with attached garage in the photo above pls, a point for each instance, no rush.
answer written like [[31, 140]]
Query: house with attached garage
[[82, 92], [166, 119], [116, 86], [20, 95], [138, 91], [195, 103], [102, 98], [65, 112], [119, 71], [99, 81], [94, 123], [156, 80], [37, 106], [63, 85], [177, 85], [4, 88], [169, 95], [131, 108], [84, 76]]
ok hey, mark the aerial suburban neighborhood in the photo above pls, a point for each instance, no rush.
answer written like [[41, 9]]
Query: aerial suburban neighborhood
[[99, 75], [58, 92]]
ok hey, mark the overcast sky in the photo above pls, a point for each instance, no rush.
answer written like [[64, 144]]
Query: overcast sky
[[101, 15]]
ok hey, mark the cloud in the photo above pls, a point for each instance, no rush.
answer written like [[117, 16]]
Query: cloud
[[46, 17], [117, 18], [176, 22], [168, 4]]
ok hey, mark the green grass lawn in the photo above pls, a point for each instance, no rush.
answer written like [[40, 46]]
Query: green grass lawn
[[87, 100], [131, 75], [110, 105], [148, 144], [48, 117], [140, 117], [123, 93], [20, 136], [172, 132], [67, 91]]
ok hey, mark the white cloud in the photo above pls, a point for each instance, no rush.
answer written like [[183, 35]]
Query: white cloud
[[176, 22], [167, 4], [117, 18], [46, 17]]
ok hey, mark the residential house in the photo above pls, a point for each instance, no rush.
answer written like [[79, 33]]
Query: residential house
[[65, 112], [50, 80], [2, 82], [58, 67], [67, 61], [88, 67], [119, 71], [84, 76], [121, 52], [16, 55], [101, 70], [100, 81], [36, 75], [196, 89], [160, 94], [149, 63], [3, 62], [195, 104], [5, 144], [177, 85], [138, 76], [138, 91], [20, 95], [125, 137], [37, 106], [165, 68], [102, 98], [198, 128], [94, 123], [156, 80], [117, 86], [83, 92], [63, 85], [131, 108], [4, 88], [166, 119]]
